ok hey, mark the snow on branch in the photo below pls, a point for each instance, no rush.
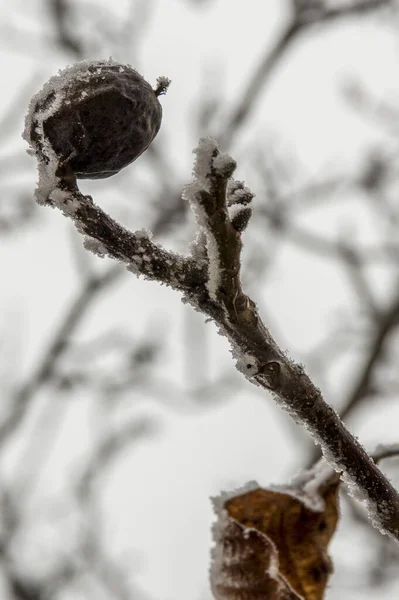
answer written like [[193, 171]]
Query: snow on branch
[[209, 279], [207, 195], [105, 237]]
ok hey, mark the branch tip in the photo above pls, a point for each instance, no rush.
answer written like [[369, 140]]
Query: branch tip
[[163, 84], [224, 165]]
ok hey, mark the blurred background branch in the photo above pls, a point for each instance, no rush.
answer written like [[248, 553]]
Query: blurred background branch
[[121, 412]]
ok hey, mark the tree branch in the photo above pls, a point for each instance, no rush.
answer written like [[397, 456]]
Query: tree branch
[[210, 281]]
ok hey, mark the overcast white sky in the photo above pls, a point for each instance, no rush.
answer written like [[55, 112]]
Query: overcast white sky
[[162, 489]]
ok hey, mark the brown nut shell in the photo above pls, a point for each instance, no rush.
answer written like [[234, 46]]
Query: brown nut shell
[[95, 116]]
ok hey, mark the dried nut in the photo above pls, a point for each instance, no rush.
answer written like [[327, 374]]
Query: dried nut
[[95, 116]]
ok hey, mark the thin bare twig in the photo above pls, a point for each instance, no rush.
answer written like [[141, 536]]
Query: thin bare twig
[[55, 351], [384, 451], [257, 81], [388, 321], [352, 260], [384, 326], [108, 448], [61, 10], [301, 20], [315, 243]]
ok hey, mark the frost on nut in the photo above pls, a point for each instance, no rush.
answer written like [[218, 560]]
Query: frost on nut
[[96, 117]]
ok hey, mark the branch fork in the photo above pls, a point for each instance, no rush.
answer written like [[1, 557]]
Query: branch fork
[[209, 279]]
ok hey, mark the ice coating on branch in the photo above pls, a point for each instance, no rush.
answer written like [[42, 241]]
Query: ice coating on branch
[[214, 271], [239, 216], [235, 210], [197, 247], [238, 193], [94, 246], [209, 160], [224, 165], [143, 234], [246, 364], [205, 152], [375, 509], [306, 485], [135, 266], [239, 199], [63, 200], [162, 85]]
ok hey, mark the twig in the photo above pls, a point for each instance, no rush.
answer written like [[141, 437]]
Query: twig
[[61, 10], [54, 351], [108, 448], [352, 261], [330, 249], [210, 281], [388, 321], [302, 19], [384, 451], [136, 250], [257, 81]]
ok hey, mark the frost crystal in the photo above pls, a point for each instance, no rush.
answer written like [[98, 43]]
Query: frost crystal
[[197, 248], [218, 502], [214, 274], [205, 152], [95, 246], [306, 485], [143, 234], [246, 364], [135, 265], [238, 193], [224, 165], [53, 93], [64, 200], [190, 193], [47, 159], [235, 210], [162, 85]]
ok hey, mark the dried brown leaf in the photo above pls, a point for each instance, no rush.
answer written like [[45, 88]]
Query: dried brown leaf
[[271, 545]]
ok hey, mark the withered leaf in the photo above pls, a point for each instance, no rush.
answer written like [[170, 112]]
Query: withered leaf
[[245, 567], [271, 545]]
